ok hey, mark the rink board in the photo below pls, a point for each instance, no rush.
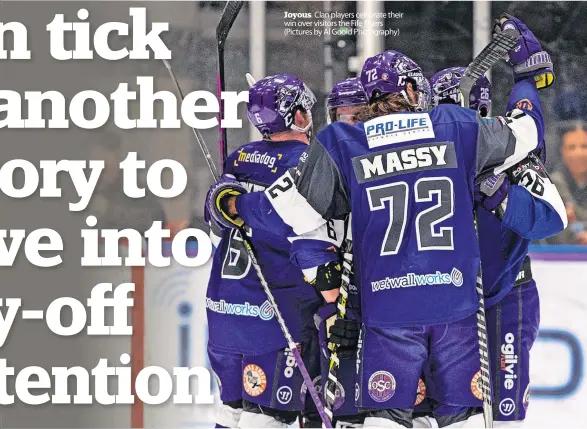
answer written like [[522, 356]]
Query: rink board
[[176, 334], [558, 393]]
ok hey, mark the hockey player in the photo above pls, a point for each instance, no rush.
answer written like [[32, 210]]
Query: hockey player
[[511, 297], [345, 100], [260, 385], [398, 169], [445, 89]]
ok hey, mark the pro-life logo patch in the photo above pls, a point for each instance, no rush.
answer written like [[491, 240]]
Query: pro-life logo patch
[[477, 386], [254, 380], [392, 129], [421, 393], [381, 386]]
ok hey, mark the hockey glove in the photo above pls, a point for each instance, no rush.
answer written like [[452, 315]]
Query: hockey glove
[[215, 227], [343, 332], [216, 202], [528, 59], [328, 276], [492, 194]]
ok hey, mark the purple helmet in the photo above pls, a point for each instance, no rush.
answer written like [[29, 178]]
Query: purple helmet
[[388, 73], [274, 100], [346, 93], [445, 86]]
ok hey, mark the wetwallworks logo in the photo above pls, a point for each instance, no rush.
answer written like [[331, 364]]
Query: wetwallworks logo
[[455, 277], [264, 311]]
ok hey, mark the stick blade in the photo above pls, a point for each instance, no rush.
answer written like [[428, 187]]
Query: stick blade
[[229, 15], [497, 49], [250, 79]]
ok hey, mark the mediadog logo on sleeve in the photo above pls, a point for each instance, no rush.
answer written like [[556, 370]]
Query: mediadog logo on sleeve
[[264, 311], [258, 158], [455, 277], [398, 128], [409, 159]]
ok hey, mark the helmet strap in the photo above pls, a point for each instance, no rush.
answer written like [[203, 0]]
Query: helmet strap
[[306, 128], [404, 93]]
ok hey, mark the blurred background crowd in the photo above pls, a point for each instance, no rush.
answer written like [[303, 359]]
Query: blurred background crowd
[[435, 34]]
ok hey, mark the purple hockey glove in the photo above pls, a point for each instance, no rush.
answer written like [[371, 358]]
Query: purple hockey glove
[[216, 199], [343, 332], [492, 193], [528, 59]]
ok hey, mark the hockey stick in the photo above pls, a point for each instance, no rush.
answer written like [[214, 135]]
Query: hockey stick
[[341, 302], [289, 339], [250, 79], [228, 17], [483, 347], [199, 137], [499, 46], [341, 305]]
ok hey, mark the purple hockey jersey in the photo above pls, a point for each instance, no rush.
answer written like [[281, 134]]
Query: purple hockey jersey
[[408, 180], [240, 317]]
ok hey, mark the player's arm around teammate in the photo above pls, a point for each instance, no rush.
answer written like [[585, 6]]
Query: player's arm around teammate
[[260, 385]]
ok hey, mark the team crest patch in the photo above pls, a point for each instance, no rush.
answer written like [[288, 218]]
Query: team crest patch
[[421, 393], [477, 386], [317, 385], [381, 386], [339, 392], [527, 397], [254, 380], [524, 104]]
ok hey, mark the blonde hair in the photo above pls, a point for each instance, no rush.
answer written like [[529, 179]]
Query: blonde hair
[[391, 103]]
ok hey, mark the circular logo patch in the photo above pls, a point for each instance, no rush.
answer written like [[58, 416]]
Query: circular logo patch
[[357, 391], [338, 393], [339, 396], [527, 397], [284, 395], [477, 386], [381, 386], [507, 407], [317, 386], [254, 380], [421, 393]]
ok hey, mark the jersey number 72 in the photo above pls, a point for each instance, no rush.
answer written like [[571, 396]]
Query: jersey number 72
[[398, 195]]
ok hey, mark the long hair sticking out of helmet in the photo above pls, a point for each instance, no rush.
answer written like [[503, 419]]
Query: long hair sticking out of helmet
[[346, 93], [445, 89], [274, 101], [385, 78]]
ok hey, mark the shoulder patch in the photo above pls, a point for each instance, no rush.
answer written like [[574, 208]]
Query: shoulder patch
[[524, 104], [398, 128], [391, 162]]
